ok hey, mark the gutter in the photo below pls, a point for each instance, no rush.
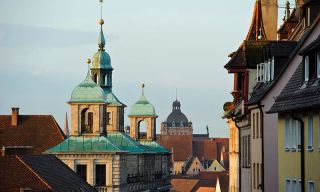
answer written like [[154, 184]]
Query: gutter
[[262, 145], [239, 151], [302, 151]]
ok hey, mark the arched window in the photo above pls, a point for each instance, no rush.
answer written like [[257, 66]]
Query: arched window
[[173, 124], [86, 121], [95, 78], [181, 123], [142, 130], [105, 81]]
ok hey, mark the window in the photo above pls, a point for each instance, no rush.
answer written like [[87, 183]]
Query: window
[[306, 68], [96, 78], [254, 176], [287, 185], [82, 171], [173, 124], [294, 186], [86, 121], [318, 65], [310, 186], [100, 175], [272, 69], [105, 80], [294, 136], [310, 131], [308, 17], [257, 125], [287, 134], [299, 186], [249, 152], [258, 176], [254, 125]]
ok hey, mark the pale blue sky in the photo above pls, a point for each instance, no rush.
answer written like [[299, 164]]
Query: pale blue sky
[[165, 44]]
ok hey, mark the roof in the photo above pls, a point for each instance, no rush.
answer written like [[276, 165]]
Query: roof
[[116, 142], [311, 47], [181, 144], [39, 173], [205, 149], [39, 131], [263, 92], [248, 55], [154, 146], [176, 118], [112, 100], [87, 92], [256, 30], [182, 184], [142, 108]]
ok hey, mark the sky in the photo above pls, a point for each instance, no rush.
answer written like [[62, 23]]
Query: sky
[[165, 44]]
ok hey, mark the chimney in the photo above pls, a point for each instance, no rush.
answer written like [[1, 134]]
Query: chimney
[[14, 116]]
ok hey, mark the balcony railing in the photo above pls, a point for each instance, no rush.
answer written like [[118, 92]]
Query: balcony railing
[[101, 188]]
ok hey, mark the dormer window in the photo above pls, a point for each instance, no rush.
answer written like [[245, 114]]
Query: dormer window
[[306, 68], [265, 71]]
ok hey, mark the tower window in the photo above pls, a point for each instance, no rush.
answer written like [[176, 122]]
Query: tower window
[[173, 124], [142, 129], [103, 80], [86, 121], [96, 78], [306, 68]]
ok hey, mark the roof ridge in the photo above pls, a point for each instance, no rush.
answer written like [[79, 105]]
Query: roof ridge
[[36, 174]]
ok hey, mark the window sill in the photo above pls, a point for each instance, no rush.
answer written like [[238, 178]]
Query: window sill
[[293, 149], [310, 149], [287, 149]]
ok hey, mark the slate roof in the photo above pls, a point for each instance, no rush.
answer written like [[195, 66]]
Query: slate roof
[[39, 173], [39, 131], [248, 55]]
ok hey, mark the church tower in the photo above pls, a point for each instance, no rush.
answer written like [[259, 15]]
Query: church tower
[[88, 107], [101, 73], [143, 112]]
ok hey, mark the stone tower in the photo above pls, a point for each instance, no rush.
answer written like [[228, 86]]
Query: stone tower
[[101, 73], [143, 111]]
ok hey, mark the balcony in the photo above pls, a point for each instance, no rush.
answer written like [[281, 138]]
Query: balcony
[[102, 188]]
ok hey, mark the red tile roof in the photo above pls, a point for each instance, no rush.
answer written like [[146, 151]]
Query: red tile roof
[[39, 131], [181, 144], [183, 185], [205, 149]]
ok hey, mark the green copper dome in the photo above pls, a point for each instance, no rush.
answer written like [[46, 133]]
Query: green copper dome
[[87, 91], [142, 108], [101, 60]]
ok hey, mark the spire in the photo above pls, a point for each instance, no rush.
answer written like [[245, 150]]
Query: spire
[[256, 31], [207, 130], [142, 89], [176, 94], [101, 40], [66, 127], [287, 10]]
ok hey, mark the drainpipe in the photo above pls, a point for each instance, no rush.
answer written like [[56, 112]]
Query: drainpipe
[[302, 150], [262, 144], [239, 151]]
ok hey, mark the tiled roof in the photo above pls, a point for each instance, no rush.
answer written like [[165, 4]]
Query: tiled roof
[[39, 173], [154, 146], [39, 131], [182, 184], [181, 144], [205, 149]]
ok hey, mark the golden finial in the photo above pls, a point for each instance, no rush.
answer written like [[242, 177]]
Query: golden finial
[[101, 21], [88, 61]]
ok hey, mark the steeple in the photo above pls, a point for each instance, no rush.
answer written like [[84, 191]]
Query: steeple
[[256, 31]]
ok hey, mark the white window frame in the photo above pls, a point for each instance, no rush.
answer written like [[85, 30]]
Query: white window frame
[[310, 132], [299, 186], [318, 65], [287, 185], [294, 135], [306, 68], [272, 68], [294, 187], [258, 73], [310, 183], [287, 134]]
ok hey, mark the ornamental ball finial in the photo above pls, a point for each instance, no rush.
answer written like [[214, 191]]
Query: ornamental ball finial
[[143, 85], [101, 21], [88, 61]]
